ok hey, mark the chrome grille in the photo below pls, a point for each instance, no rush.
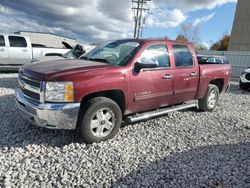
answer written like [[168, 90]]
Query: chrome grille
[[248, 76], [30, 88], [31, 94], [30, 82]]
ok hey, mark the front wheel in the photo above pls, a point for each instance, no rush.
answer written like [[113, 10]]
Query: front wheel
[[100, 120], [209, 102]]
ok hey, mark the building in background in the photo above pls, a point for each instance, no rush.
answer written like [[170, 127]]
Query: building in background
[[47, 39], [240, 36]]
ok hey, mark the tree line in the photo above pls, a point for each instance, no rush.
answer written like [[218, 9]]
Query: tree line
[[190, 33]]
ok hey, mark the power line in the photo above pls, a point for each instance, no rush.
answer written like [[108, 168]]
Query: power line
[[138, 8]]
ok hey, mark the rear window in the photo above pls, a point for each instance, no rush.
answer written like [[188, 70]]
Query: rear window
[[210, 60], [225, 61], [218, 61], [183, 56], [16, 41], [203, 59], [2, 42]]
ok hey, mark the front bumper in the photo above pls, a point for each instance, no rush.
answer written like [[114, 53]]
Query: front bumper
[[49, 115]]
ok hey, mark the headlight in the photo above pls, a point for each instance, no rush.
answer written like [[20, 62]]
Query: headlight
[[59, 92]]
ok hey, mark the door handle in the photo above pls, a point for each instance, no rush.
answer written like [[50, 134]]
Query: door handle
[[167, 76], [24, 50], [2, 49], [193, 74]]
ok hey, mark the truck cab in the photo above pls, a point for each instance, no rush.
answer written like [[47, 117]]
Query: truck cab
[[15, 50]]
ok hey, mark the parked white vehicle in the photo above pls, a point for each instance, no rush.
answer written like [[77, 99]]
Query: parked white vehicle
[[16, 50], [245, 79], [73, 53]]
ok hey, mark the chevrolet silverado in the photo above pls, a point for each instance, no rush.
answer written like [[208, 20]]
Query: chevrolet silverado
[[129, 79]]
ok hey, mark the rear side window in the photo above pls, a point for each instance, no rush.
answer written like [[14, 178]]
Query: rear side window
[[2, 42], [156, 53], [182, 55], [16, 41]]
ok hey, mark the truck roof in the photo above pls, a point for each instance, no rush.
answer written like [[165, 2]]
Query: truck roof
[[17, 35], [152, 39]]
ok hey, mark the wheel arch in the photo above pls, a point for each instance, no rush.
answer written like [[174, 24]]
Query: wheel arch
[[219, 82], [115, 94]]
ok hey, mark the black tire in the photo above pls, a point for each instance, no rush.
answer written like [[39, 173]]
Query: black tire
[[243, 86], [204, 104], [89, 111]]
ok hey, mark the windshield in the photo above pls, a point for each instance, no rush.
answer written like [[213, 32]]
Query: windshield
[[115, 52]]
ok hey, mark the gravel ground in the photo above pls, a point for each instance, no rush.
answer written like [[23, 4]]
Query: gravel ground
[[183, 149]]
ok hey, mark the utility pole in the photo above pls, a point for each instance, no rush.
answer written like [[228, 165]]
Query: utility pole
[[138, 8]]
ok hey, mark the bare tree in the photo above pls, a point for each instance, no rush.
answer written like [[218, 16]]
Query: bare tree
[[190, 32]]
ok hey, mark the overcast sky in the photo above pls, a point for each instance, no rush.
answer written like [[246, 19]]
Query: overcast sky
[[92, 20]]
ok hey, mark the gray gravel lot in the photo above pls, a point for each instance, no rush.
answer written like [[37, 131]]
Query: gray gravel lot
[[183, 149]]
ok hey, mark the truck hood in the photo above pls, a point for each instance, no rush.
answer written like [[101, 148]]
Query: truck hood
[[48, 58], [51, 69]]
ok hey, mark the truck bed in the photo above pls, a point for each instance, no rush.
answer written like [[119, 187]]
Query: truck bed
[[208, 72]]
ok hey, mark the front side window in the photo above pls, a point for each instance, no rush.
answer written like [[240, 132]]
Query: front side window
[[2, 42], [182, 55], [156, 54], [16, 41]]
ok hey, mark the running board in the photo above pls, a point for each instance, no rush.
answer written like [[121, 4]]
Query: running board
[[159, 112]]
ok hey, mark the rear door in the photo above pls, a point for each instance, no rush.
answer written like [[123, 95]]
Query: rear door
[[186, 76], [152, 87], [19, 50], [4, 56]]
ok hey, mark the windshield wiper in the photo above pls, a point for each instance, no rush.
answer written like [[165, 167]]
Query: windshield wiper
[[99, 59], [84, 57]]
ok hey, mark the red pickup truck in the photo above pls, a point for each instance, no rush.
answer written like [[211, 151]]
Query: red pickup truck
[[130, 79]]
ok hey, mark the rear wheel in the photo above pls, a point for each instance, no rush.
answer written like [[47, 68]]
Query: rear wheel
[[100, 120], [209, 102]]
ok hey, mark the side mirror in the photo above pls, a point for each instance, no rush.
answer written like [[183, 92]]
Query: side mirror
[[144, 65]]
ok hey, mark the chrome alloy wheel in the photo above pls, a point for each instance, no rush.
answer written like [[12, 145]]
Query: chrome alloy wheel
[[212, 99], [102, 123]]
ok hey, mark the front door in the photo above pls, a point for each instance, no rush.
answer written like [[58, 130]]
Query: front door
[[4, 55], [152, 87]]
